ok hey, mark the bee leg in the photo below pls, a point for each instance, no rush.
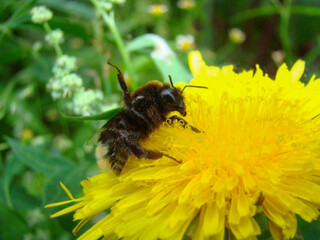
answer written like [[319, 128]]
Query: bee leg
[[155, 155], [140, 152], [184, 123]]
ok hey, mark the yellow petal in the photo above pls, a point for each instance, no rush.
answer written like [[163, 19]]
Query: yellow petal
[[246, 228], [258, 72], [234, 216], [291, 226], [283, 74], [80, 225], [68, 210], [213, 221], [275, 231], [62, 203], [195, 62], [297, 70], [66, 190]]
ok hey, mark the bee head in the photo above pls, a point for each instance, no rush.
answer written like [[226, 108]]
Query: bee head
[[173, 98]]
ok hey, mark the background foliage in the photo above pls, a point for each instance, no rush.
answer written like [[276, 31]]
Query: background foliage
[[39, 148]]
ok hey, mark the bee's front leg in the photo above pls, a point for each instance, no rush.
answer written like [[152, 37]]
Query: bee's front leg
[[184, 123]]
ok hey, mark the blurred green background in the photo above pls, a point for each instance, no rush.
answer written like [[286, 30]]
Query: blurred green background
[[148, 40]]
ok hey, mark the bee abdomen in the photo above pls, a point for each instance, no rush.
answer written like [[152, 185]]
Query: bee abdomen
[[102, 161], [117, 163], [108, 157]]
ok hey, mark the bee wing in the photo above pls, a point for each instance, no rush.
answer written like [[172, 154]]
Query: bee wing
[[94, 139]]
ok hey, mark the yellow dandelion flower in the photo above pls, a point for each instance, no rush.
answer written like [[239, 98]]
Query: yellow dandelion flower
[[258, 152], [26, 135], [157, 9]]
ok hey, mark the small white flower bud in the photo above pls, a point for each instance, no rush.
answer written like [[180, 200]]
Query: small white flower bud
[[278, 56], [118, 1], [55, 37], [185, 43], [87, 102], [65, 86], [64, 65], [157, 9], [186, 4], [106, 5], [237, 36], [40, 14]]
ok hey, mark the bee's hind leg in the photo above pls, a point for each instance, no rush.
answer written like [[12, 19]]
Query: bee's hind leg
[[184, 123], [140, 152], [155, 155]]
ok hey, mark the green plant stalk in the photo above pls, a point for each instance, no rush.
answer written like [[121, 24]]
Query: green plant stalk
[[123, 52], [109, 20], [225, 51], [271, 10], [284, 11], [7, 196], [312, 55], [277, 4], [56, 46], [106, 86], [4, 146], [284, 34]]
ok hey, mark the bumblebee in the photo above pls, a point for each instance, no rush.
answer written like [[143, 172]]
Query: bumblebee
[[144, 111]]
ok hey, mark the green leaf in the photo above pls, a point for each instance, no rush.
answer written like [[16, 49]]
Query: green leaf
[[71, 179], [305, 10], [141, 43], [70, 28], [271, 10], [38, 160], [262, 221], [102, 116], [253, 13], [83, 10], [22, 200], [19, 16], [12, 226], [163, 56], [13, 168], [308, 230]]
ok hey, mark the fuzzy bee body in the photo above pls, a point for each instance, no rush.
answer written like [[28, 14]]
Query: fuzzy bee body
[[145, 110]]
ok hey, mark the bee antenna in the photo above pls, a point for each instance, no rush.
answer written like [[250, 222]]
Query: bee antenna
[[170, 79], [192, 86], [123, 85], [114, 66]]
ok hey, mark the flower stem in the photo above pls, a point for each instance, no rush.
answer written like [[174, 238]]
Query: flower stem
[[106, 86], [313, 54], [109, 20], [284, 29], [56, 46]]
